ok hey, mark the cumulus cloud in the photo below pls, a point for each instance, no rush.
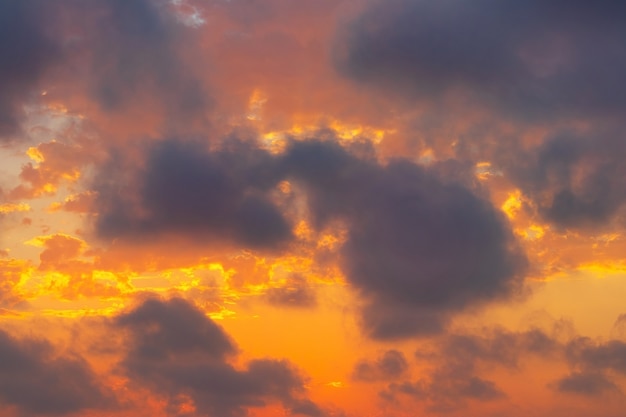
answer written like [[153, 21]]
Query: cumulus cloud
[[540, 64], [37, 381], [390, 365], [296, 292], [26, 52], [460, 359], [610, 355], [574, 179], [588, 383], [221, 195], [529, 59], [134, 54], [418, 248], [174, 349]]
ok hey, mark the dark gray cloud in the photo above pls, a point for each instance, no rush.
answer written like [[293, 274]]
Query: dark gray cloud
[[174, 327], [575, 180], [26, 52], [133, 45], [609, 356], [540, 62], [444, 394], [211, 196], [588, 383], [175, 349], [390, 365], [117, 53], [418, 248], [296, 292], [38, 381], [458, 361], [532, 59]]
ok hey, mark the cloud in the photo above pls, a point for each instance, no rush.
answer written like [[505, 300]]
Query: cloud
[[296, 292], [418, 248], [26, 52], [134, 54], [390, 365], [574, 179], [56, 163], [530, 59], [610, 355], [37, 381], [221, 195], [11, 275], [174, 349], [457, 362], [111, 60], [588, 383]]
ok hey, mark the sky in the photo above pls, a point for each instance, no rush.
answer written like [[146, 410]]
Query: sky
[[322, 208]]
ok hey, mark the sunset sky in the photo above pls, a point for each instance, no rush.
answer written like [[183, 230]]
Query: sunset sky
[[322, 208]]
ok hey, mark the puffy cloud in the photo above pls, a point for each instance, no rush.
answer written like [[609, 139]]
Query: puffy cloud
[[538, 66], [574, 179], [174, 349], [213, 196], [530, 59], [296, 292], [418, 248], [27, 50], [11, 276], [390, 365], [37, 381], [609, 356], [134, 53], [460, 359], [164, 329], [588, 383], [55, 163]]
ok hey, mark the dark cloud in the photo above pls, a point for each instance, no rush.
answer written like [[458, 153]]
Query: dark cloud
[[124, 55], [459, 360], [575, 180], [536, 58], [222, 195], [390, 365], [174, 327], [37, 381], [588, 383], [134, 49], [541, 62], [175, 349], [443, 394], [418, 248], [296, 292], [610, 356], [26, 52], [127, 57], [500, 347]]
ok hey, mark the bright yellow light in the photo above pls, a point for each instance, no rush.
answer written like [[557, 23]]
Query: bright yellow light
[[14, 207], [303, 230], [512, 204], [35, 154], [532, 232]]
